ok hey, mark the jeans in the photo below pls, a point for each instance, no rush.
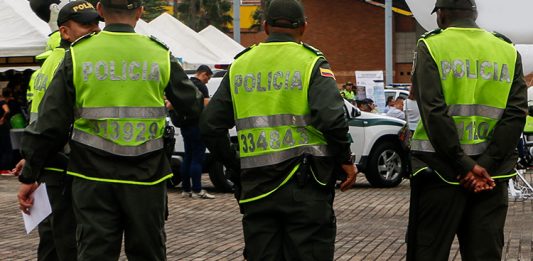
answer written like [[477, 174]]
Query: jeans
[[191, 169]]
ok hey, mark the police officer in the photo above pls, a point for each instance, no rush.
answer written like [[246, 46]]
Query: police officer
[[57, 233], [472, 98], [282, 97], [110, 86]]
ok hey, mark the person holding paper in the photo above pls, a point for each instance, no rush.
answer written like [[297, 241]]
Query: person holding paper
[[107, 99], [57, 233]]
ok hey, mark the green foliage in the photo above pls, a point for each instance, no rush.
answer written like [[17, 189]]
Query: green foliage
[[259, 15], [198, 14], [152, 9]]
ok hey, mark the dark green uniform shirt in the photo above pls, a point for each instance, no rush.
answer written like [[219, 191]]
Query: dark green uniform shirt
[[450, 160], [56, 114], [327, 115]]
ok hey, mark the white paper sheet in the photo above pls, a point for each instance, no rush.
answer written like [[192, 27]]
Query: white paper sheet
[[39, 211]]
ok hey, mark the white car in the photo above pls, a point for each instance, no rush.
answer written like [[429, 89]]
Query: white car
[[395, 93], [375, 143]]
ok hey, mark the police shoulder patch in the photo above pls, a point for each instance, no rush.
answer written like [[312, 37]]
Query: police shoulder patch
[[503, 37], [431, 33], [82, 38], [244, 51], [325, 72], [153, 38], [313, 49]]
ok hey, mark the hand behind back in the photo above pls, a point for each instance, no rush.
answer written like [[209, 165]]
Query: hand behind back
[[477, 180]]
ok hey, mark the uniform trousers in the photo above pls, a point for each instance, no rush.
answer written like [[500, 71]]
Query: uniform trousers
[[292, 223], [57, 233], [105, 211], [439, 211]]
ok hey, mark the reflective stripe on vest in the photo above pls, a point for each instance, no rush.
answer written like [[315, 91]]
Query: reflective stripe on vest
[[475, 109], [121, 112], [120, 93], [113, 148], [43, 78], [269, 88], [475, 82], [273, 121], [469, 149], [280, 156]]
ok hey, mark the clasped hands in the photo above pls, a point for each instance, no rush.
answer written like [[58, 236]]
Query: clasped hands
[[477, 180]]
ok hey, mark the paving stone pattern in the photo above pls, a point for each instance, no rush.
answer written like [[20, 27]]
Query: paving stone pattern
[[371, 225]]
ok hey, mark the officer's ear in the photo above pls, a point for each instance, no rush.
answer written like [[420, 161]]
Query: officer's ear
[[267, 27], [302, 28], [99, 9], [139, 13], [64, 31]]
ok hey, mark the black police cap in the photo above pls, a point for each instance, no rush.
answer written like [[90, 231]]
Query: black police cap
[[455, 4], [80, 11], [122, 4], [285, 13]]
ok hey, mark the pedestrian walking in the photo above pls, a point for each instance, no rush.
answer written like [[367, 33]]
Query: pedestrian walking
[[471, 94], [292, 134]]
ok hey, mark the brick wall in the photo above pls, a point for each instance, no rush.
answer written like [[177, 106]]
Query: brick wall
[[350, 33]]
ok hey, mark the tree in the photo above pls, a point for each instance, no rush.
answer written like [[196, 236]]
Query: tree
[[152, 9], [198, 14], [259, 15]]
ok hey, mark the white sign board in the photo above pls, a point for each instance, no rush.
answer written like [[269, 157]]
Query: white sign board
[[374, 89]]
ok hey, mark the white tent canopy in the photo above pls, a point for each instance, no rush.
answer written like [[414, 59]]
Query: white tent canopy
[[224, 42], [22, 33], [186, 43]]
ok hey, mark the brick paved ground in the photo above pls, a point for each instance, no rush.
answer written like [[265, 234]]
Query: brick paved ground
[[371, 226]]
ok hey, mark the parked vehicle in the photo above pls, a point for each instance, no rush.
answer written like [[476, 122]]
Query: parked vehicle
[[396, 92], [378, 152]]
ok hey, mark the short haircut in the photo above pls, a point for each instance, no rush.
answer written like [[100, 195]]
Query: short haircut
[[204, 68]]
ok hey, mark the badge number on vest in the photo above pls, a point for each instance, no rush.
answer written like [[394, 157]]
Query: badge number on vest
[[127, 131], [250, 142]]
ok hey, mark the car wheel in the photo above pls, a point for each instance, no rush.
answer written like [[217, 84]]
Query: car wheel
[[386, 165], [219, 176]]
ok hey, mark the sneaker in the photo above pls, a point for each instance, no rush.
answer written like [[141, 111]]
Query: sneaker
[[6, 173], [186, 194], [202, 194]]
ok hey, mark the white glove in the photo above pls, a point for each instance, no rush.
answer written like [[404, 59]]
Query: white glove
[[54, 12]]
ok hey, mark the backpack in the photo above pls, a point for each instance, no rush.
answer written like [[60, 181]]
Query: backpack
[[181, 120]]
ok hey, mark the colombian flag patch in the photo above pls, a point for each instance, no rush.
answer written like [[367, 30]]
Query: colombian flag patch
[[327, 73]]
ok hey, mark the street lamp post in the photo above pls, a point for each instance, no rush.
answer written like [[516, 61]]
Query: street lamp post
[[237, 21]]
